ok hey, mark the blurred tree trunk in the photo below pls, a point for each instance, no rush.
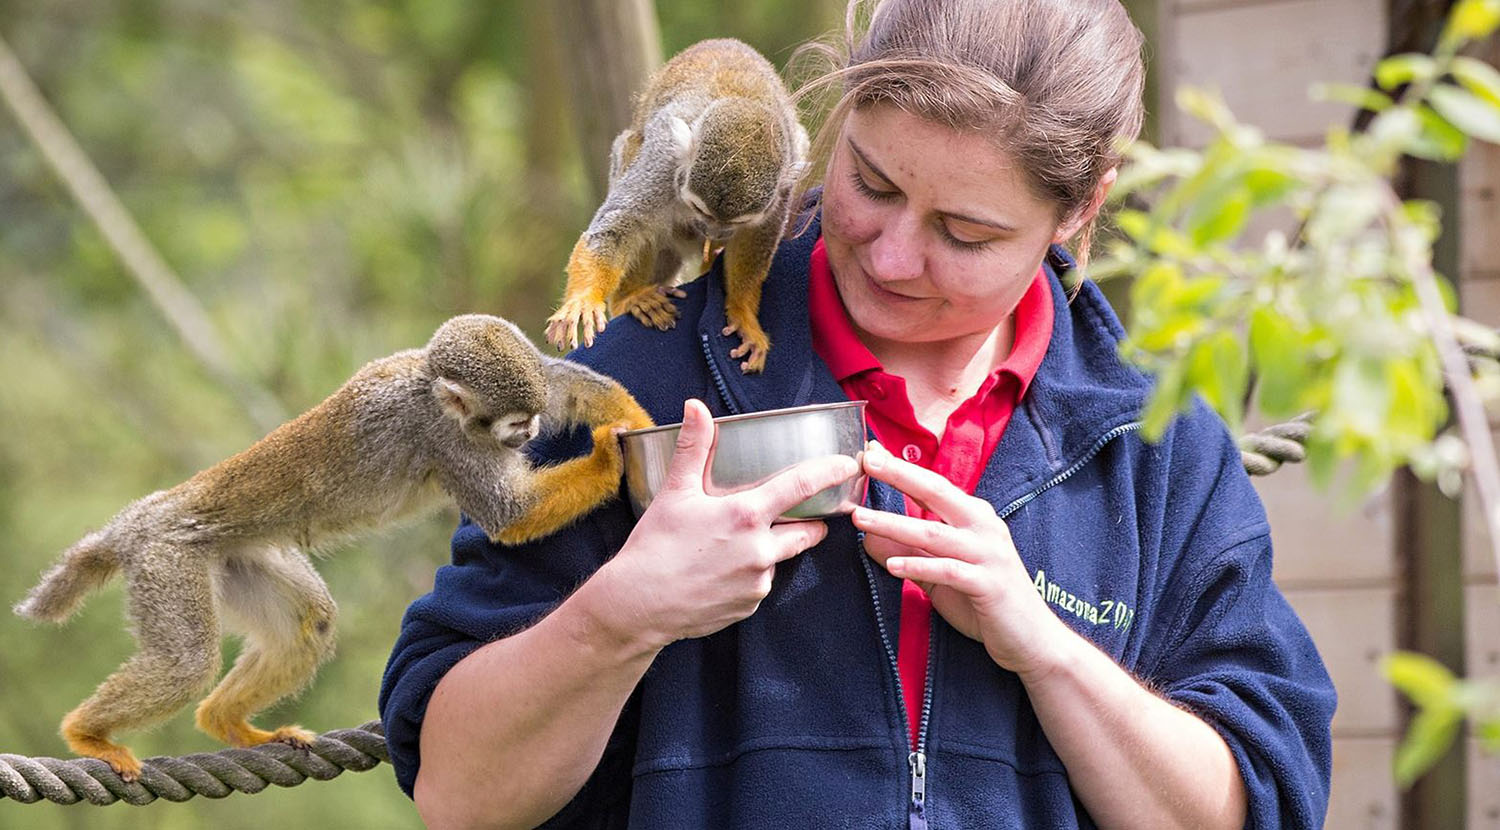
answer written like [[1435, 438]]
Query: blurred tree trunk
[[550, 206], [611, 47]]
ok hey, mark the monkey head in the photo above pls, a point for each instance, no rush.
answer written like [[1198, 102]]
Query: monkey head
[[488, 377], [734, 162]]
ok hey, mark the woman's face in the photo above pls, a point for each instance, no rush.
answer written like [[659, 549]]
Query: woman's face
[[932, 234]]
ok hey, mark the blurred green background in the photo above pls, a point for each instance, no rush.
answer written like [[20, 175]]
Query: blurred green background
[[331, 180]]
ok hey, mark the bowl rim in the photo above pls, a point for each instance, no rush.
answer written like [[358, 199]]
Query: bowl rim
[[753, 416]]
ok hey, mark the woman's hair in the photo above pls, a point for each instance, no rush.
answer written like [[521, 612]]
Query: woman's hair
[[1056, 83]]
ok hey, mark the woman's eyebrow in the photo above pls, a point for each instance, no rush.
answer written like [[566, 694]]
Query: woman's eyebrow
[[870, 164], [973, 220]]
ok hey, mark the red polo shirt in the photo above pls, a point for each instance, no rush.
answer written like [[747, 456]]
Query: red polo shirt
[[959, 454]]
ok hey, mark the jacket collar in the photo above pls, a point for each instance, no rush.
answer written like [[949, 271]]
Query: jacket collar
[[1081, 391]]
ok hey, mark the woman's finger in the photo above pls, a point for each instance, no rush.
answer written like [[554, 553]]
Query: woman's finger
[[934, 537], [964, 577], [793, 538], [695, 441], [937, 494], [881, 548], [799, 483]]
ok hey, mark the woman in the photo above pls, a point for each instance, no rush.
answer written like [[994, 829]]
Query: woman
[[1038, 621]]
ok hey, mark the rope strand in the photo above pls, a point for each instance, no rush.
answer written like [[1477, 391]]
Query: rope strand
[[209, 774]]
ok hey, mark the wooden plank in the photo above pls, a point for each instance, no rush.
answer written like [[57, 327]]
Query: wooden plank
[[1362, 794], [1263, 57], [1482, 630], [1479, 556], [1354, 629], [1316, 542], [1484, 789]]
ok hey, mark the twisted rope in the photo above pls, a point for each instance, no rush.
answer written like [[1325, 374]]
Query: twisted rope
[[209, 774], [1265, 451]]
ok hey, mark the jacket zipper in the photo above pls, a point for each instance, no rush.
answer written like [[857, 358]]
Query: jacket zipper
[[713, 368], [1068, 473], [916, 761]]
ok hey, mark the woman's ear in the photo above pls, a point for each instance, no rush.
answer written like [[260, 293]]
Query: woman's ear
[[1087, 213]]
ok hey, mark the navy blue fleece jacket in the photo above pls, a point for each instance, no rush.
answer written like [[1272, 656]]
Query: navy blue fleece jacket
[[1158, 553]]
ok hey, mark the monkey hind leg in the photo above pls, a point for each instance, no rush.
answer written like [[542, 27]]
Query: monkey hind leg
[[171, 605], [286, 614], [564, 492]]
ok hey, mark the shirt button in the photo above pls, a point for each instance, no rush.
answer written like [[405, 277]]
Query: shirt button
[[911, 452], [878, 393]]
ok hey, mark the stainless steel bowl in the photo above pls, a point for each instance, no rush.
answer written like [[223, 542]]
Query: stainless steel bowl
[[751, 448]]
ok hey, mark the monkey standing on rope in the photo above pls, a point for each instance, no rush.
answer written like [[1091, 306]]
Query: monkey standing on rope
[[401, 436], [711, 159]]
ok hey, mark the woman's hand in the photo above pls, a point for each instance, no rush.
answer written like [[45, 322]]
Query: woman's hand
[[966, 563], [697, 563]]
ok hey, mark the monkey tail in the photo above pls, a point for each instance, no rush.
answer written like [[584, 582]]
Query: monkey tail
[[85, 567]]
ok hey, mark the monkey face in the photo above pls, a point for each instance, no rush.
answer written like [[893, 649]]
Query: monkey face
[[705, 223], [511, 429]]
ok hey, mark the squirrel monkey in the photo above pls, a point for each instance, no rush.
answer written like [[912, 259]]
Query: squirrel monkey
[[710, 160], [403, 435]]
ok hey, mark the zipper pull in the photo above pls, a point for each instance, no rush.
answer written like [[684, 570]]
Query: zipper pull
[[918, 808]]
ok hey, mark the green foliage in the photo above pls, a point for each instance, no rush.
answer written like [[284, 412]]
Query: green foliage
[[1442, 702], [331, 181], [1327, 319], [1325, 316]]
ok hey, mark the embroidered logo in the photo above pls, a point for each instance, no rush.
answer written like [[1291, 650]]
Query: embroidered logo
[[1108, 612]]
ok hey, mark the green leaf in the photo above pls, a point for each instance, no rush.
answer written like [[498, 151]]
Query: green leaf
[[1280, 362], [1361, 97], [1270, 186], [1416, 409], [1438, 140], [1472, 20], [1219, 370], [1220, 220], [1479, 77], [1404, 69], [1467, 111], [1426, 681], [1167, 399], [1205, 106], [1489, 733], [1432, 732]]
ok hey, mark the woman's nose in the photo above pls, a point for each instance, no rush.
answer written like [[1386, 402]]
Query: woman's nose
[[896, 253]]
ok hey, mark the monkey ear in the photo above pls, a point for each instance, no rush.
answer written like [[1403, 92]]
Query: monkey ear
[[800, 144], [682, 139], [453, 398]]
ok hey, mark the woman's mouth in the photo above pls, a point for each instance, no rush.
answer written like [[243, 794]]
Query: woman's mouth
[[886, 294]]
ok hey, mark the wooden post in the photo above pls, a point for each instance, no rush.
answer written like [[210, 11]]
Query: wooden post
[[1429, 552]]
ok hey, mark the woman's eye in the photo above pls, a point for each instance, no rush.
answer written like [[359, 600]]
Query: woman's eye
[[869, 192], [963, 244]]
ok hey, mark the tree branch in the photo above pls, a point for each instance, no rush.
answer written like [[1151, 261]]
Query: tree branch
[[124, 236]]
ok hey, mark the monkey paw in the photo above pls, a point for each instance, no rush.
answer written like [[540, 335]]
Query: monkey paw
[[562, 327], [294, 736], [120, 759], [652, 306], [754, 345]]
